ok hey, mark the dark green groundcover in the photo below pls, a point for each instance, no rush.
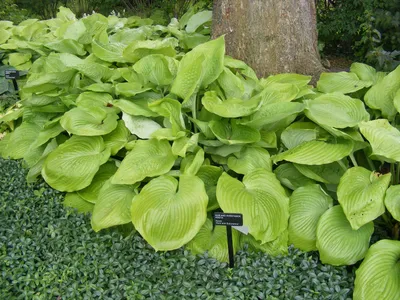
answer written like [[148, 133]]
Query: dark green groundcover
[[48, 252]]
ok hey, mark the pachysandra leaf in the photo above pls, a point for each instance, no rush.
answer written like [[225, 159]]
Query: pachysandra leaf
[[260, 198], [341, 82], [378, 276], [249, 159], [336, 110], [104, 173], [229, 108], [167, 215], [232, 133], [199, 67], [381, 95], [290, 177], [141, 126], [73, 200], [392, 201], [384, 139], [338, 244], [148, 158], [113, 205], [316, 152], [213, 240], [306, 206], [361, 194], [72, 166]]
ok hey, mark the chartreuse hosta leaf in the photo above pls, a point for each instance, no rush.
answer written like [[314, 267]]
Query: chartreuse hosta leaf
[[118, 138], [108, 52], [192, 163], [231, 107], [140, 126], [15, 145], [290, 177], [170, 109], [306, 206], [378, 276], [72, 166], [199, 67], [341, 82], [210, 175], [381, 95], [336, 110], [337, 243], [300, 132], [168, 216], [295, 79], [91, 192], [135, 107], [232, 133], [130, 89], [158, 69], [330, 173], [249, 159], [278, 246], [260, 198], [113, 205], [361, 194], [184, 144], [213, 240], [75, 201], [231, 84], [364, 72], [36, 169], [396, 100], [139, 49], [392, 201], [89, 122], [316, 152], [384, 139], [148, 158]]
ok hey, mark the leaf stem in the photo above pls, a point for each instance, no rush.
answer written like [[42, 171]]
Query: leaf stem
[[342, 165], [370, 163], [353, 159], [397, 174], [393, 173]]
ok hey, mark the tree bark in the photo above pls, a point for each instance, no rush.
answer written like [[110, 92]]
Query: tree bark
[[272, 36]]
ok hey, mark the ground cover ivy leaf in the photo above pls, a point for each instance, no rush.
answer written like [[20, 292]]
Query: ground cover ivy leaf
[[168, 216], [73, 200], [210, 175], [378, 276], [148, 158], [104, 173], [316, 152], [336, 110], [300, 132], [170, 109], [140, 126], [135, 107], [16, 144], [364, 72], [392, 201], [72, 166], [279, 246], [109, 52], [384, 139], [213, 240], [112, 206], [306, 206], [381, 95], [272, 113], [157, 68], [139, 49], [249, 159], [329, 173], [260, 198], [341, 82], [232, 133], [199, 67], [290, 177], [229, 108], [89, 122], [338, 244], [361, 194]]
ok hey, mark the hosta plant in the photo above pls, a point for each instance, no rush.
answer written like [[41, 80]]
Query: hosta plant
[[151, 125]]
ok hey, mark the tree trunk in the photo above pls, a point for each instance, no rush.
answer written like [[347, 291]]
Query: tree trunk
[[272, 36]]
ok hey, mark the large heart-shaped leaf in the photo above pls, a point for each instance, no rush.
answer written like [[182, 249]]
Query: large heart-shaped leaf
[[316, 152], [341, 82], [140, 126], [249, 159], [210, 175], [148, 158], [170, 109], [336, 110], [361, 194], [113, 205], [75, 201], [290, 177], [158, 69], [306, 206], [139, 49], [378, 276], [392, 201], [232, 133], [72, 166], [168, 216], [117, 139], [300, 132], [330, 173], [260, 198], [278, 246], [337, 243], [384, 139]]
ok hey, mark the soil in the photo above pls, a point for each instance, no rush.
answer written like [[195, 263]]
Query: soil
[[338, 64]]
